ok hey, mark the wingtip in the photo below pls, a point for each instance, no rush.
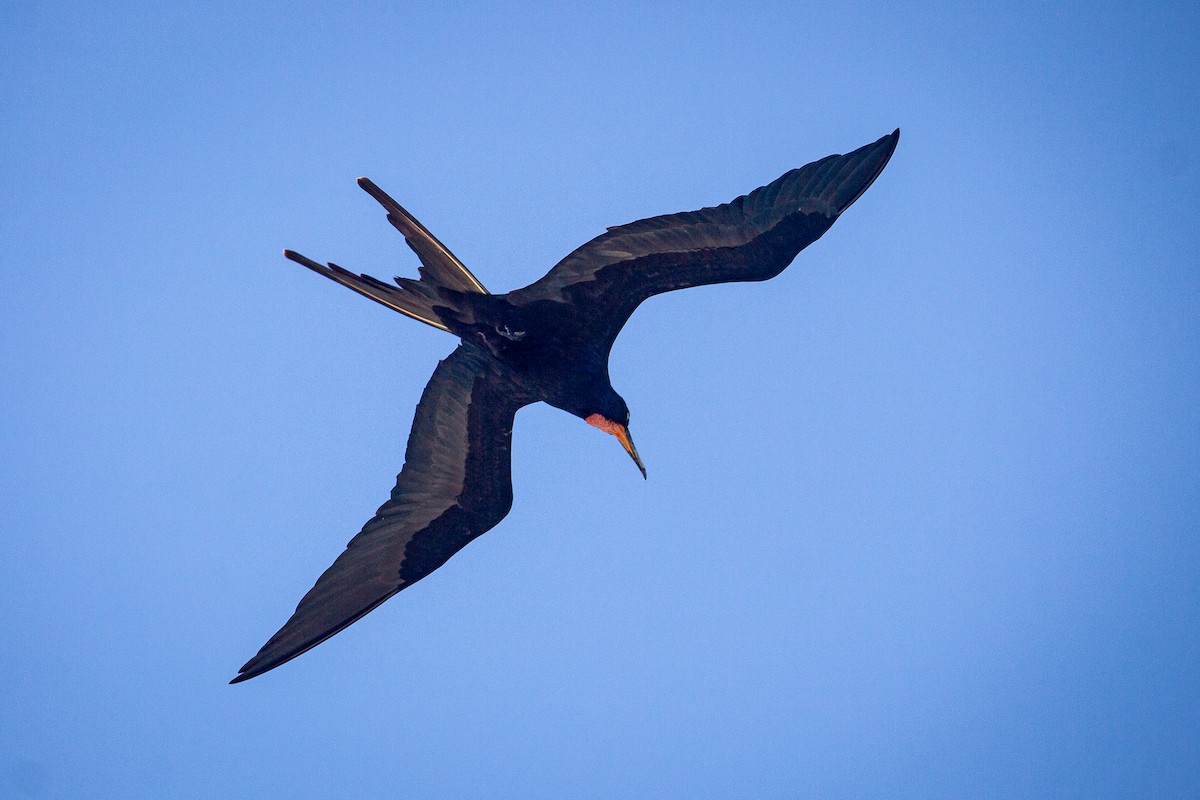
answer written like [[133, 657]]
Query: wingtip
[[249, 670], [891, 140], [244, 674], [873, 157]]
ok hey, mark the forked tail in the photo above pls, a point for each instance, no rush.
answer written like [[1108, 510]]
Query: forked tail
[[439, 270]]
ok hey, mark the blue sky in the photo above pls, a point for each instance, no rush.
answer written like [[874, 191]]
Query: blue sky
[[923, 512]]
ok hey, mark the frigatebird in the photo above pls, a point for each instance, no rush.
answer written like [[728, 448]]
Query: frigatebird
[[548, 342]]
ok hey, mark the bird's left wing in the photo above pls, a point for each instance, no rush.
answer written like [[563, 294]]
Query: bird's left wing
[[751, 238], [455, 485]]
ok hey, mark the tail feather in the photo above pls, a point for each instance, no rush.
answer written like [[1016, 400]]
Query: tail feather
[[438, 264], [416, 304], [443, 276]]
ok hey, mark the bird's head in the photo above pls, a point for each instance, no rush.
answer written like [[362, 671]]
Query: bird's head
[[614, 419]]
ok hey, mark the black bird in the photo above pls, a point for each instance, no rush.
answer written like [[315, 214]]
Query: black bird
[[549, 341]]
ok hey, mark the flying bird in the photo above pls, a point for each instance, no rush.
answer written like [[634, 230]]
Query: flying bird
[[547, 342]]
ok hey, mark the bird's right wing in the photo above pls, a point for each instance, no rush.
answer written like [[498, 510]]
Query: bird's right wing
[[751, 238], [455, 485]]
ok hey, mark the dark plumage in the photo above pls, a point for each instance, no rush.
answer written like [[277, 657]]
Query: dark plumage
[[547, 342]]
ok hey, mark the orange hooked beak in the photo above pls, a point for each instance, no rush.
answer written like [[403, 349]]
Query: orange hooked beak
[[622, 433]]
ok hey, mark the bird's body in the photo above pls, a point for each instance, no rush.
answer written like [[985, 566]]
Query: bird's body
[[546, 342]]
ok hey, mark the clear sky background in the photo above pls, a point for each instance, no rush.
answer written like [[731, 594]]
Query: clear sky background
[[923, 516]]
